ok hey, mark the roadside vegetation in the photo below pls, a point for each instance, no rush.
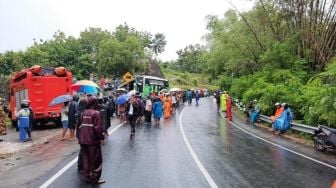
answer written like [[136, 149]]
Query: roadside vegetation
[[279, 51]]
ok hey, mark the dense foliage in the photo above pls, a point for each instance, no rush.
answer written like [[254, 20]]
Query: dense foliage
[[94, 51], [279, 51]]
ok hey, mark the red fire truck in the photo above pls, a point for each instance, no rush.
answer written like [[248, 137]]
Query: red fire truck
[[39, 85]]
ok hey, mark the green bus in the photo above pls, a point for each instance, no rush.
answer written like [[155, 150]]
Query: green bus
[[147, 84]]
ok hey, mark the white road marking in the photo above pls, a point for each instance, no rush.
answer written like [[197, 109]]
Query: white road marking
[[66, 167], [282, 147], [194, 156]]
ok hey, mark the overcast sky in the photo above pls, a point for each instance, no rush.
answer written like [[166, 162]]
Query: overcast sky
[[181, 21]]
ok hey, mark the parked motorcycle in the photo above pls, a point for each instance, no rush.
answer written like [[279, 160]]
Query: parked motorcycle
[[325, 138]]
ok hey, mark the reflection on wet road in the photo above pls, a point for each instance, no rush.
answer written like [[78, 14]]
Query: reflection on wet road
[[158, 157]]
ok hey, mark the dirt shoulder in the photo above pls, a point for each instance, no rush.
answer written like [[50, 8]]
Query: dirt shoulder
[[12, 151]]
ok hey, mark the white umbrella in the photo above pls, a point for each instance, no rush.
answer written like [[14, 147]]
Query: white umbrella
[[174, 89]]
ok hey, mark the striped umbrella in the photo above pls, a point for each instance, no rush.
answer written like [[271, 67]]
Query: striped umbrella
[[85, 86]]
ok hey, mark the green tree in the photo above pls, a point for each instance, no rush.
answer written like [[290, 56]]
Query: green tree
[[158, 43], [119, 57]]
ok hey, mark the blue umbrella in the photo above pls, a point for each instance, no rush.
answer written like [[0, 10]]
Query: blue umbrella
[[60, 99], [122, 99]]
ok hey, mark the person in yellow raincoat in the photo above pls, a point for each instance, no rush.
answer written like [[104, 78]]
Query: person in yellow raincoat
[[167, 106], [223, 101]]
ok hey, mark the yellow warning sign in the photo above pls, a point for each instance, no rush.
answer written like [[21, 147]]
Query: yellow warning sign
[[128, 77]]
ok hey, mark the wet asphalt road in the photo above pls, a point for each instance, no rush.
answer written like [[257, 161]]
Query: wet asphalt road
[[158, 157]]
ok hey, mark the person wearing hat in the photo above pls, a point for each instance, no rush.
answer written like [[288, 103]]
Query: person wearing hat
[[31, 118], [23, 121], [278, 111], [255, 112], [90, 137]]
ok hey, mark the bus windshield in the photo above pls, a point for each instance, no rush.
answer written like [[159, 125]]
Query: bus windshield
[[147, 84]]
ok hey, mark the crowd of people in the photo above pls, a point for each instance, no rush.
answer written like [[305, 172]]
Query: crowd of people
[[157, 105], [280, 120], [90, 117]]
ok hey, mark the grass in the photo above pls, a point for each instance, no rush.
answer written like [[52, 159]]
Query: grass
[[186, 80]]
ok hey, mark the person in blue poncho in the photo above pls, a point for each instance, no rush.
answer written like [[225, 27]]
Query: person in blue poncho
[[23, 121], [157, 110], [189, 96], [255, 111], [282, 123]]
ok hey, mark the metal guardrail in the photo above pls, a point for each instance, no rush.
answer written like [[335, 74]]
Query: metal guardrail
[[296, 126]]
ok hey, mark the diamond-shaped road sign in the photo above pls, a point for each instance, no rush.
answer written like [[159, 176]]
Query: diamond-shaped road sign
[[128, 77]]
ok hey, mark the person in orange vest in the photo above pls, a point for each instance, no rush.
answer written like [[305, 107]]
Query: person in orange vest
[[167, 106], [278, 111], [334, 184]]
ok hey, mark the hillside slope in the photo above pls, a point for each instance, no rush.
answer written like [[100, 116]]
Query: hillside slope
[[187, 80]]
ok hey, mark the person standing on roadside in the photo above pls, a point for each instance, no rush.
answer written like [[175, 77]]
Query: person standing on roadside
[[131, 109], [31, 118], [148, 110], [189, 96], [217, 97], [223, 101], [23, 121], [174, 102], [103, 114], [82, 105], [228, 108], [109, 111], [90, 138], [157, 110], [197, 97], [73, 110], [65, 119]]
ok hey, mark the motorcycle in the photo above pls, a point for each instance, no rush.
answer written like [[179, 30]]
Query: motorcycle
[[325, 138]]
